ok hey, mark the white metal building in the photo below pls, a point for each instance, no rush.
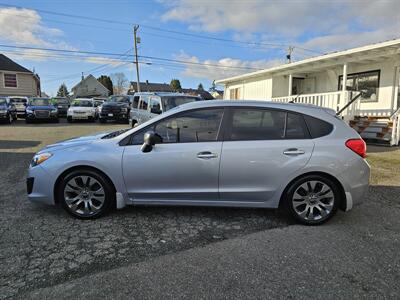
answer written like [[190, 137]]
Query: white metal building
[[373, 70]]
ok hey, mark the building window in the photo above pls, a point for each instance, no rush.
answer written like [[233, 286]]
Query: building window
[[234, 94], [366, 82], [10, 80]]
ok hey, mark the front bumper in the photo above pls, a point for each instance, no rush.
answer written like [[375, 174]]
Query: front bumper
[[31, 116], [40, 186], [80, 116], [114, 115]]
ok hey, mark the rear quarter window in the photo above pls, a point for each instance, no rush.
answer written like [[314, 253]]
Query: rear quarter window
[[317, 127]]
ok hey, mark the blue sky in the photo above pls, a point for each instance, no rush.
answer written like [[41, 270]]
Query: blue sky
[[319, 26]]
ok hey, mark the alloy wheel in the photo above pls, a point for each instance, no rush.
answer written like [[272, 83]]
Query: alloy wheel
[[84, 195], [313, 200]]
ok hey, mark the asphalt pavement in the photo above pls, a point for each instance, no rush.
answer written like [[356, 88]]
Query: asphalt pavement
[[191, 252]]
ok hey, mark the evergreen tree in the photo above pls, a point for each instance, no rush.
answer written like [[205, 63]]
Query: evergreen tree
[[62, 91], [107, 82], [200, 87], [176, 84]]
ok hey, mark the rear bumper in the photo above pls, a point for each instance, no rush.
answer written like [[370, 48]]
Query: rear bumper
[[356, 184]]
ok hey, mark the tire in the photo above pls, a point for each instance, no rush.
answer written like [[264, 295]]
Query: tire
[[126, 121], [10, 119], [102, 120], [312, 199], [15, 117], [134, 122], [69, 119], [56, 121], [27, 121], [79, 198]]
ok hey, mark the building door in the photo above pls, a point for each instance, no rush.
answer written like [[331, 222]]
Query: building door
[[297, 86]]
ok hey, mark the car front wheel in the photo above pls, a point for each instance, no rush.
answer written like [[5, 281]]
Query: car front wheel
[[312, 200], [86, 194]]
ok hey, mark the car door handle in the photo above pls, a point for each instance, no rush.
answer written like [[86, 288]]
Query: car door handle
[[293, 151], [206, 155]]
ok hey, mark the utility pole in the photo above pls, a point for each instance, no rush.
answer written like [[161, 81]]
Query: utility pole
[[289, 54], [137, 40]]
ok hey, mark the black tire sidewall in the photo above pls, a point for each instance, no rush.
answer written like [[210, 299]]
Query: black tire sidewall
[[294, 185], [109, 192]]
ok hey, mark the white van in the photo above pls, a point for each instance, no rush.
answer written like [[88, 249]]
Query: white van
[[147, 105]]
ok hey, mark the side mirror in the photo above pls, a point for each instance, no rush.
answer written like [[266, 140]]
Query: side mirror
[[150, 139]]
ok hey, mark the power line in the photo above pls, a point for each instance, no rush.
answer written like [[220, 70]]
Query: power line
[[162, 29], [130, 55]]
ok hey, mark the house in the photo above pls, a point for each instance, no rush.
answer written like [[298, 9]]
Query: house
[[89, 86], [217, 94], [16, 80], [150, 87], [370, 72]]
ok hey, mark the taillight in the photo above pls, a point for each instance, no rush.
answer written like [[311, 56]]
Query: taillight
[[358, 146]]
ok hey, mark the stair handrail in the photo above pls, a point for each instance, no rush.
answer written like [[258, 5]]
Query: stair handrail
[[349, 103], [396, 112]]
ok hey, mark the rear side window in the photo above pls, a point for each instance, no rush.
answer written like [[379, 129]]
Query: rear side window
[[296, 127], [135, 102], [257, 124], [317, 127]]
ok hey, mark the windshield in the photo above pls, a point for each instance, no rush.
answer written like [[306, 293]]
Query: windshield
[[3, 101], [171, 102], [118, 99], [40, 102], [82, 103], [60, 101], [17, 100]]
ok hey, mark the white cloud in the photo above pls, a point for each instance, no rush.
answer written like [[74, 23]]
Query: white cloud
[[323, 25], [221, 68], [24, 27]]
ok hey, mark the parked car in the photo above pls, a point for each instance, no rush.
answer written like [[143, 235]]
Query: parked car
[[62, 104], [116, 108], [148, 105], [41, 109], [98, 102], [82, 109], [20, 104], [8, 112], [211, 153]]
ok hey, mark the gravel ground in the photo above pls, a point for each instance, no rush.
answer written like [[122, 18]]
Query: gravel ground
[[42, 246], [44, 251]]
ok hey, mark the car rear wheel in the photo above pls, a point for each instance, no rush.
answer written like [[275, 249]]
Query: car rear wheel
[[312, 200], [86, 194]]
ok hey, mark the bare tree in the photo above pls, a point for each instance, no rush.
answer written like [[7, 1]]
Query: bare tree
[[120, 82]]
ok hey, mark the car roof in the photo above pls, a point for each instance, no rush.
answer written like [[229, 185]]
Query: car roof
[[309, 109], [163, 94]]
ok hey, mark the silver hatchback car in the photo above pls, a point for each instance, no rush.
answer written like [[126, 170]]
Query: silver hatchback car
[[211, 153]]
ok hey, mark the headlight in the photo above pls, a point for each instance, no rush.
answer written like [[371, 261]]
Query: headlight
[[39, 158], [29, 111]]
